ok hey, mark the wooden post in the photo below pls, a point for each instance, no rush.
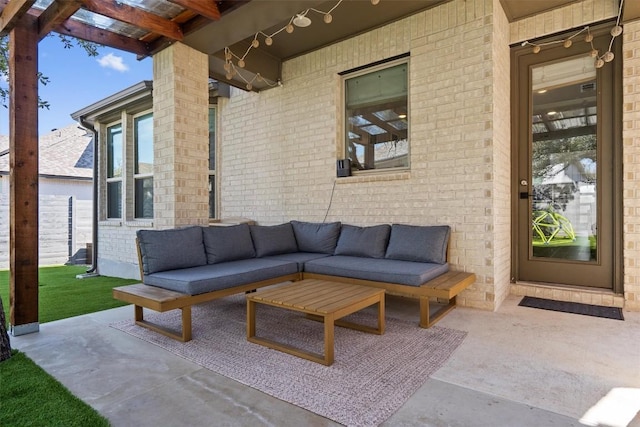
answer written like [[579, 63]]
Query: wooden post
[[23, 152]]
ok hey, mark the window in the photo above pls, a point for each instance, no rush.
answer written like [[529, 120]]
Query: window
[[143, 171], [212, 162], [376, 117], [114, 171]]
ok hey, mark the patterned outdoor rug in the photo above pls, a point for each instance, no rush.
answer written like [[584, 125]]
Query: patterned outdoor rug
[[371, 378]]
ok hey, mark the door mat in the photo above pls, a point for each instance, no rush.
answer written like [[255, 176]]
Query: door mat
[[573, 307]]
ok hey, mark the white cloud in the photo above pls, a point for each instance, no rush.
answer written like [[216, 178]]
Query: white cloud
[[112, 61]]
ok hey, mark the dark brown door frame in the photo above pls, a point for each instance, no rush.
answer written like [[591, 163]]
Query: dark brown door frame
[[616, 101]]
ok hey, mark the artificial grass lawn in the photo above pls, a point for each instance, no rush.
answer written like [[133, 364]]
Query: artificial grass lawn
[[31, 397], [61, 295], [28, 395]]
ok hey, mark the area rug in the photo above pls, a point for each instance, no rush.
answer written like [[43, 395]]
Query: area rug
[[573, 307], [371, 378]]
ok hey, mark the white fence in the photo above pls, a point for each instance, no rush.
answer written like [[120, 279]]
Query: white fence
[[64, 230]]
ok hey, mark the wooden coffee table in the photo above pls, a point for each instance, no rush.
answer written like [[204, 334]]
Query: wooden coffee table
[[319, 299]]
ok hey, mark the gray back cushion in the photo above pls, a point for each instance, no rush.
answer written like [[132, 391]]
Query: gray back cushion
[[228, 243], [419, 243], [163, 250], [368, 242], [316, 237], [273, 239]]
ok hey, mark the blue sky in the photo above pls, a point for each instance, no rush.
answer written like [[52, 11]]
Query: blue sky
[[77, 80]]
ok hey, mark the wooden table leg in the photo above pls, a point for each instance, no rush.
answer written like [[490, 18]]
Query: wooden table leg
[[328, 339], [251, 319], [381, 321], [186, 323]]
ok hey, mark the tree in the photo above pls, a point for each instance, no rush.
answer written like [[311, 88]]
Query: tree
[[90, 48], [68, 42]]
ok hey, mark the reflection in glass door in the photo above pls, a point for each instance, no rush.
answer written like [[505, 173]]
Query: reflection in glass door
[[564, 160]]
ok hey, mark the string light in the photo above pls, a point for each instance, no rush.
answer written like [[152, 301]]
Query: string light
[[600, 60], [298, 20]]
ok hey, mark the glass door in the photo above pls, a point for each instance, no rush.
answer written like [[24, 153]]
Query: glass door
[[565, 180]]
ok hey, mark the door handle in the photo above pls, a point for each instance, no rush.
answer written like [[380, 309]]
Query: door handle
[[525, 195]]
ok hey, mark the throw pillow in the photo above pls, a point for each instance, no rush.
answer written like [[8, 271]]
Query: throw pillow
[[316, 237], [419, 243], [171, 249], [228, 243], [273, 239], [370, 242]]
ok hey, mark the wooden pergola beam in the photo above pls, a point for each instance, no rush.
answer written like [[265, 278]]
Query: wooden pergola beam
[[92, 34], [12, 13], [135, 16], [56, 14], [23, 152], [208, 9]]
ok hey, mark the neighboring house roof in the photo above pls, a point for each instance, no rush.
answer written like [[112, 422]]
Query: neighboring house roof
[[64, 153]]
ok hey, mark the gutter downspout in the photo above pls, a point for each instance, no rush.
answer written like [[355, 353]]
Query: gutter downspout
[[93, 271]]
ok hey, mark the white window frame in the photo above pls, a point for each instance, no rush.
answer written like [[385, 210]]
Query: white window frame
[[115, 179], [140, 176]]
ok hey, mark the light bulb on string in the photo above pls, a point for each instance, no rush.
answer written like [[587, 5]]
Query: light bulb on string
[[227, 67], [599, 63], [375, 2], [249, 86], [536, 49], [328, 18], [241, 63], [616, 31], [255, 43], [594, 53], [567, 43], [608, 56], [289, 28], [268, 41], [588, 38]]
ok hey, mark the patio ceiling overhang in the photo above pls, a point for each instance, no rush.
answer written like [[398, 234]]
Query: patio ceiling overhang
[[144, 27]]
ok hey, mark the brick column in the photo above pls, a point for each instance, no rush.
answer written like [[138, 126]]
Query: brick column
[[630, 156], [181, 137]]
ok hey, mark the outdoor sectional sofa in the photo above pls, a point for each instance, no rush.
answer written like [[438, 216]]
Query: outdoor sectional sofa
[[186, 266]]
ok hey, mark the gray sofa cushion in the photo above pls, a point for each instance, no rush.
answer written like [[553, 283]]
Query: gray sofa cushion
[[228, 243], [273, 239], [363, 241], [213, 277], [419, 243], [316, 237], [379, 270], [170, 249]]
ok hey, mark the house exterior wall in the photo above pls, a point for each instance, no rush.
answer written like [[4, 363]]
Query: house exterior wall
[[278, 148], [181, 153], [631, 163]]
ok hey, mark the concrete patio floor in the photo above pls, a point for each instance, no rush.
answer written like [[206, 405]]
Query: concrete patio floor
[[516, 367]]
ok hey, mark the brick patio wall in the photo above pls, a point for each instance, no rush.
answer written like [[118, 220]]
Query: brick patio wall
[[631, 163], [278, 148]]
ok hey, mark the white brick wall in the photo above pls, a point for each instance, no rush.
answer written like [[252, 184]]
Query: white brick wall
[[278, 148]]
